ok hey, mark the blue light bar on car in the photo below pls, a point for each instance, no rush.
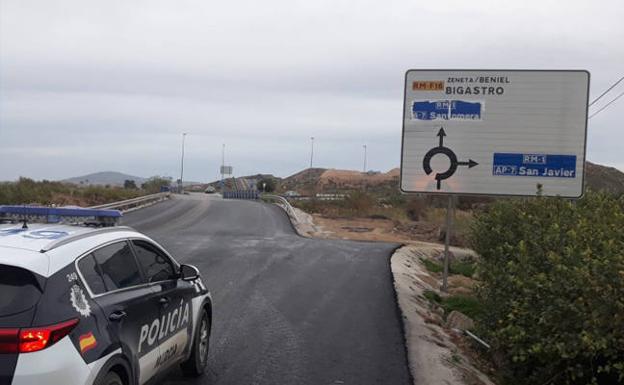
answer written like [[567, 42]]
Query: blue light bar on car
[[60, 214]]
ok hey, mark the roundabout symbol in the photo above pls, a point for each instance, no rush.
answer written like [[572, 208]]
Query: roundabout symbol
[[454, 163]]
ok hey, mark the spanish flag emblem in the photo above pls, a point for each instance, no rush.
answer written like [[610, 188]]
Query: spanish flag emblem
[[87, 342]]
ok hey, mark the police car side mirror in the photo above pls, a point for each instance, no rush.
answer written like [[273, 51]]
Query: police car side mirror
[[188, 273]]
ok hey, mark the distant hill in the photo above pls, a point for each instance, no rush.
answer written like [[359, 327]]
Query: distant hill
[[598, 177], [112, 178]]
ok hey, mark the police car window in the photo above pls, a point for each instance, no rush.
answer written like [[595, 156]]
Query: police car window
[[118, 266], [19, 290], [90, 273], [155, 263]]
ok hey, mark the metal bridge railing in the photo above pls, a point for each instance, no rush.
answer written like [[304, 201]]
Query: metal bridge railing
[[283, 203], [133, 203], [242, 194]]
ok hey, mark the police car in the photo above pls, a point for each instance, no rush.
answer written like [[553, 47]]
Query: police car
[[94, 303]]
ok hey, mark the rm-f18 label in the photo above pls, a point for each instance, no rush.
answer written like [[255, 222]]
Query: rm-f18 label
[[540, 165]]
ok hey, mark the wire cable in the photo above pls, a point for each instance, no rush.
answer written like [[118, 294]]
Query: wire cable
[[606, 105], [608, 89]]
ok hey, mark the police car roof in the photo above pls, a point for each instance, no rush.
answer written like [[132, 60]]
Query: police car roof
[[38, 236], [45, 248]]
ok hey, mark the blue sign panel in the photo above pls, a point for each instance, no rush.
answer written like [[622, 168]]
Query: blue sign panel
[[430, 110], [541, 165], [446, 110], [465, 110]]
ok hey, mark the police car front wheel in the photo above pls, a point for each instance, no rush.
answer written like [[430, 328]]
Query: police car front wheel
[[196, 364], [111, 378]]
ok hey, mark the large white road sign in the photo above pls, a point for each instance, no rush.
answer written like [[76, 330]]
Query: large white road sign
[[494, 132]]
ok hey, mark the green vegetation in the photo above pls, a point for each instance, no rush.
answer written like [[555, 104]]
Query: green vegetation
[[28, 191], [552, 281], [432, 296], [130, 184], [267, 184], [465, 268], [153, 184], [467, 305], [462, 222], [432, 266]]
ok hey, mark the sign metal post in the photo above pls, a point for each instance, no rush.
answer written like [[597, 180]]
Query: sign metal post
[[450, 213]]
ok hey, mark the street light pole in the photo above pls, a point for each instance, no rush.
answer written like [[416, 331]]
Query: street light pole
[[364, 169], [311, 150], [182, 164], [311, 162], [222, 165]]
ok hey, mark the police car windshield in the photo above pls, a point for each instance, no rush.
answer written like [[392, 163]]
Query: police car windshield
[[19, 290]]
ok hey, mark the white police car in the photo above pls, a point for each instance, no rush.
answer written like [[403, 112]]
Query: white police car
[[94, 305]]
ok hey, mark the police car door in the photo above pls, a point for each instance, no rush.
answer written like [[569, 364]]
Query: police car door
[[131, 306], [175, 296]]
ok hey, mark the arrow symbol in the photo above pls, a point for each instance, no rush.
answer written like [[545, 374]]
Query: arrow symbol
[[471, 163], [454, 163], [441, 134]]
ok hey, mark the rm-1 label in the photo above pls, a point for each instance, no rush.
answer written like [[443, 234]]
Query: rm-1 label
[[541, 165]]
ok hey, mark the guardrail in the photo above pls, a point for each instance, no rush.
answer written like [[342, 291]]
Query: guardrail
[[130, 204], [246, 194], [283, 203]]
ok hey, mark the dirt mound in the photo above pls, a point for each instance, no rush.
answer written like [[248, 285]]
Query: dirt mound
[[303, 180], [354, 179]]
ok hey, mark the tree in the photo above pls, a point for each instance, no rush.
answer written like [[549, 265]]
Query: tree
[[153, 184], [269, 184], [130, 184]]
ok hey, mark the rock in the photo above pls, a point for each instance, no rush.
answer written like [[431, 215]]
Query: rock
[[457, 320]]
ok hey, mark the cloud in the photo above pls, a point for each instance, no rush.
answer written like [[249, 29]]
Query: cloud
[[88, 86]]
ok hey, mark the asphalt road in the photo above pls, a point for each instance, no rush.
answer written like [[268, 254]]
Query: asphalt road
[[287, 309]]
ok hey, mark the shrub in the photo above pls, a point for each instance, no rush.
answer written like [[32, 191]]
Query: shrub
[[552, 274], [359, 202], [130, 184], [154, 184], [415, 208], [467, 305], [465, 268], [432, 266], [28, 191], [432, 296], [270, 184]]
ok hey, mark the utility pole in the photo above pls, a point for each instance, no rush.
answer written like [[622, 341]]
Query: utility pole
[[182, 164], [364, 169], [311, 150], [311, 162]]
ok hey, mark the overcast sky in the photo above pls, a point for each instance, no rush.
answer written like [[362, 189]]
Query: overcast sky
[[91, 86]]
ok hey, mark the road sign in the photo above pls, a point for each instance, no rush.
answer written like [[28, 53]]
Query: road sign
[[226, 170], [494, 132]]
